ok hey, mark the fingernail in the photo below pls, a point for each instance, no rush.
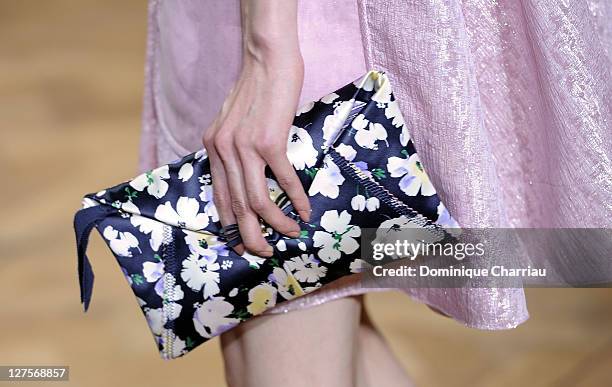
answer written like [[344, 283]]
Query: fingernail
[[305, 215], [294, 234]]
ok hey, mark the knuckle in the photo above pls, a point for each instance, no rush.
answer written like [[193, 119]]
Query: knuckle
[[239, 208], [258, 204], [223, 144], [208, 141], [271, 148], [284, 180], [263, 148], [220, 200]]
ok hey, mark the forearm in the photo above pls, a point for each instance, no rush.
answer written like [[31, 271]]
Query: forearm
[[269, 30]]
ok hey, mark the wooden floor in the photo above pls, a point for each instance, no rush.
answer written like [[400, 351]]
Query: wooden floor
[[70, 98]]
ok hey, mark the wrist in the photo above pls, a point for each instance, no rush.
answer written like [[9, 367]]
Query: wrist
[[269, 31], [273, 55]]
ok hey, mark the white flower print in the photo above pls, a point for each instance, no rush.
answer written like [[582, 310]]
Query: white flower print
[[87, 202], [413, 175], [383, 94], [346, 151], [274, 189], [209, 208], [446, 220], [200, 273], [392, 112], [169, 282], [368, 133], [153, 270], [404, 229], [211, 317], [185, 172], [358, 265], [360, 122], [366, 83], [334, 122], [281, 245], [304, 108], [186, 215], [327, 181], [286, 284], [261, 298], [300, 151], [156, 316], [205, 179], [205, 245], [404, 136], [361, 203], [170, 298], [358, 202], [305, 268], [372, 203], [130, 207], [338, 236], [253, 260], [153, 181], [226, 264], [149, 226], [201, 154], [329, 98], [120, 242]]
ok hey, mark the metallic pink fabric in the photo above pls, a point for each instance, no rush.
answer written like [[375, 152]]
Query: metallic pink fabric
[[508, 103]]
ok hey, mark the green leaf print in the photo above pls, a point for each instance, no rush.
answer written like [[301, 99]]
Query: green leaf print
[[311, 172], [241, 314], [189, 343], [130, 194], [149, 177], [379, 173], [137, 279]]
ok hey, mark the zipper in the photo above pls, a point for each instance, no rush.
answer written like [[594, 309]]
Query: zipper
[[168, 257]]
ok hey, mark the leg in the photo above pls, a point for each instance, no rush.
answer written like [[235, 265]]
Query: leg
[[376, 363], [311, 347]]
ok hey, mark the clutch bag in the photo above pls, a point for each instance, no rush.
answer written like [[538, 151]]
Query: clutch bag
[[357, 163]]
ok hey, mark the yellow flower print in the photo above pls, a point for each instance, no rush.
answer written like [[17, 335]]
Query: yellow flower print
[[261, 298]]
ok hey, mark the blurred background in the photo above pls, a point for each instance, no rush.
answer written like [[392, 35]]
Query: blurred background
[[71, 84]]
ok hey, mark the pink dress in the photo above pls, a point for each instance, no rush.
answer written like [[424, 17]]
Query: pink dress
[[509, 104]]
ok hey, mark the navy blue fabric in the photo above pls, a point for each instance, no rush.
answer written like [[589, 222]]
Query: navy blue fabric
[[84, 221], [164, 231]]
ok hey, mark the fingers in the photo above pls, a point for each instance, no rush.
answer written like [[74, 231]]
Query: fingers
[[259, 196], [240, 191], [290, 183], [221, 193], [248, 221]]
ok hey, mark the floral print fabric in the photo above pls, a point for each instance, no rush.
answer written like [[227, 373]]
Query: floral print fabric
[[359, 166]]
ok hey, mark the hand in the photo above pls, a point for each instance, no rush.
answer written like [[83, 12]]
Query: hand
[[251, 132]]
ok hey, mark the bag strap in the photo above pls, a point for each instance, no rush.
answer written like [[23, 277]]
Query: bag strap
[[84, 221]]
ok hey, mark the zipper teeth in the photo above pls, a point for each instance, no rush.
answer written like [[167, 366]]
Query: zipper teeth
[[383, 194], [168, 304]]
